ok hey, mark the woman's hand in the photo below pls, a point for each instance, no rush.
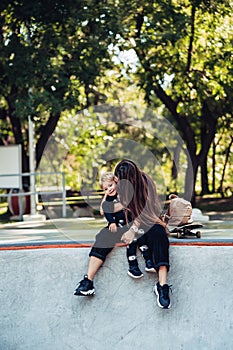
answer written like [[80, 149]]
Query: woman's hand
[[128, 237]]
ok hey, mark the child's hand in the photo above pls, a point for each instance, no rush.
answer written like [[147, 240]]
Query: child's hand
[[113, 227]]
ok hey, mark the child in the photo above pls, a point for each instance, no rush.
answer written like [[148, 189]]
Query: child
[[116, 219]]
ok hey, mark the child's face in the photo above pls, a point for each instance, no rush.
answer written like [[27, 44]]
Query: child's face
[[110, 187]]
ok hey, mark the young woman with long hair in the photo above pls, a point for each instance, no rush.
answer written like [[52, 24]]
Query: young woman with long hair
[[137, 193]]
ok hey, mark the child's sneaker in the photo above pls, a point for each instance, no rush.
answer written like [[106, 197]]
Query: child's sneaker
[[162, 293], [149, 266], [134, 271], [85, 287]]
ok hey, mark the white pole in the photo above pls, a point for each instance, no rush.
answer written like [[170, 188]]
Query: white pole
[[32, 165]]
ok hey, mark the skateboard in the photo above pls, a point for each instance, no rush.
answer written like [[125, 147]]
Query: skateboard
[[187, 230]]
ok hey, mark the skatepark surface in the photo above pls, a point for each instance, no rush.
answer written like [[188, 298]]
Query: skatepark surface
[[40, 312]]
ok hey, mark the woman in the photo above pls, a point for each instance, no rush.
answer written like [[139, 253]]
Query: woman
[[138, 195]]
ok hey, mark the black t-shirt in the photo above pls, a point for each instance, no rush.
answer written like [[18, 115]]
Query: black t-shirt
[[108, 207]]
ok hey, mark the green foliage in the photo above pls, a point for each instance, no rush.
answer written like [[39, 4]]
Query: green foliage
[[60, 57], [184, 51]]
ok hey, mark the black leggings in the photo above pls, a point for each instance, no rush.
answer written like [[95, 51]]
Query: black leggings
[[156, 239]]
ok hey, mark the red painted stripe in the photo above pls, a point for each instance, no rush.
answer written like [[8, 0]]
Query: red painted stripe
[[88, 245], [203, 244]]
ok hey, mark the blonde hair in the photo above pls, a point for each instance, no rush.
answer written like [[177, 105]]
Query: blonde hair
[[108, 176]]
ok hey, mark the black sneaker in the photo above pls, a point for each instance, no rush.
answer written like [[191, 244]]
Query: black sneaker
[[150, 266], [134, 271], [85, 287], [162, 293]]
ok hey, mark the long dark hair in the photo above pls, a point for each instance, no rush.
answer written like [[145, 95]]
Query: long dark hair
[[138, 193]]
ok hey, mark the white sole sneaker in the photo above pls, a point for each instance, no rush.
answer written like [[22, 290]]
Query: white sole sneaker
[[152, 269], [87, 293], [158, 302], [133, 276]]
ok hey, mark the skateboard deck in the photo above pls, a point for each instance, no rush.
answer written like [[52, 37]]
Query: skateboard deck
[[187, 230]]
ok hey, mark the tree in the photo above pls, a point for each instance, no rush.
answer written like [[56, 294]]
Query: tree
[[56, 57], [184, 60], [51, 57]]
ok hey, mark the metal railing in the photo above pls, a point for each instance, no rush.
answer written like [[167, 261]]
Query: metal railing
[[38, 190]]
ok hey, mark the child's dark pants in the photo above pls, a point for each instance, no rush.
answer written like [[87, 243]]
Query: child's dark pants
[[155, 236]]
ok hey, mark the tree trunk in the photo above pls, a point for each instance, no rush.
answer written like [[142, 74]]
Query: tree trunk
[[175, 169], [46, 132], [221, 190], [204, 178], [213, 166]]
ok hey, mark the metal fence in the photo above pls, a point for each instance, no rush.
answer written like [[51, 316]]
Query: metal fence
[[42, 189]]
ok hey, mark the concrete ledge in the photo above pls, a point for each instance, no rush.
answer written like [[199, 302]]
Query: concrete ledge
[[34, 217], [88, 244], [40, 312]]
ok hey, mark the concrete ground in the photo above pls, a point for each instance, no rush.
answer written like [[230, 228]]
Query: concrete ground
[[79, 230], [40, 312]]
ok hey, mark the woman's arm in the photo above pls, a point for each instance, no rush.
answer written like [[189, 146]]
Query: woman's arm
[[118, 207], [129, 235]]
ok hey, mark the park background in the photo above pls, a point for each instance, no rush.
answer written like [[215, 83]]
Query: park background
[[62, 61], [98, 78]]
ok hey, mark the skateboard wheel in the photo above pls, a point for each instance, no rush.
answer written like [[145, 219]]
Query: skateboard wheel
[[178, 234], [198, 234]]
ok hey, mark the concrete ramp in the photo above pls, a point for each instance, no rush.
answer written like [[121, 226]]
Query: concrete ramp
[[40, 312]]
